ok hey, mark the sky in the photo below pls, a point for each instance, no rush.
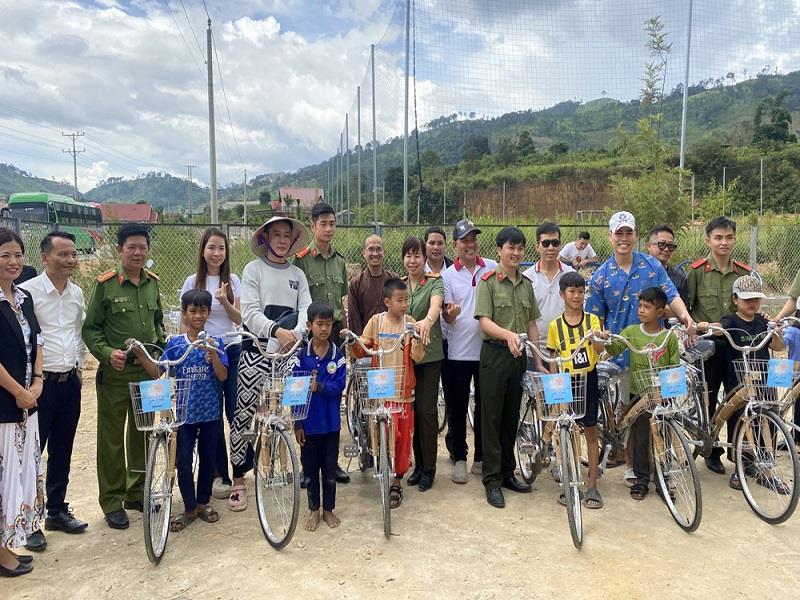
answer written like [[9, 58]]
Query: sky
[[131, 75]]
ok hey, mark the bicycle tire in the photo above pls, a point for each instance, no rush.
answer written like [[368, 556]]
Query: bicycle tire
[[351, 406], [384, 474], [277, 482], [570, 480], [157, 499], [676, 471], [441, 409], [471, 407], [769, 425], [530, 464]]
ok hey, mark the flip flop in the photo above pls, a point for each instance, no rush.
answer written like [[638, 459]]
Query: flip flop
[[563, 501], [629, 477], [593, 499], [180, 522], [208, 514], [639, 491]]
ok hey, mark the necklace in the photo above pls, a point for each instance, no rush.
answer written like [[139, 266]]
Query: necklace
[[19, 314]]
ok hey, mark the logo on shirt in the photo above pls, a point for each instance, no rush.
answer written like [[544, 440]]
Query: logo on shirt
[[331, 368], [294, 284]]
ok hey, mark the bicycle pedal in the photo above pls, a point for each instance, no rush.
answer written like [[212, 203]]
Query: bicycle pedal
[[249, 436], [351, 451]]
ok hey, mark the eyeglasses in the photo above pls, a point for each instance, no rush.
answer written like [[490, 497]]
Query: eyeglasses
[[548, 243], [665, 246]]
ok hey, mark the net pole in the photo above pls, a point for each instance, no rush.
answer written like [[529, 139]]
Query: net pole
[[374, 141], [405, 116], [686, 87]]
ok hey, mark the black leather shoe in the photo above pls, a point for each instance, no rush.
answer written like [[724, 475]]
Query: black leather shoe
[[715, 464], [117, 519], [416, 475], [22, 569], [515, 485], [426, 480], [25, 559], [494, 496], [66, 522], [136, 505], [341, 475], [36, 542]]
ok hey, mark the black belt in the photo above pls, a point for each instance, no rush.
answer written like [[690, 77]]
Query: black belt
[[58, 377]]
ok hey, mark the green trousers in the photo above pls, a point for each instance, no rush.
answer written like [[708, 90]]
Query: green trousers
[[501, 392], [120, 446]]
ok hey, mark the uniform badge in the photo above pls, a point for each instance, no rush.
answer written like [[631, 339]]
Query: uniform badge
[[331, 368]]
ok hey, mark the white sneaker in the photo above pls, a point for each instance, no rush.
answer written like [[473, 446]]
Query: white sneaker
[[220, 490], [477, 467], [460, 472]]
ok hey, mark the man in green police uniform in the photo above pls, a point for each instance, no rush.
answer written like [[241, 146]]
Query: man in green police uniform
[[125, 304], [326, 272], [710, 284], [506, 307]]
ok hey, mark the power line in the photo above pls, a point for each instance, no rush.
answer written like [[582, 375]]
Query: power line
[[188, 47], [74, 152], [206, 7], [196, 41]]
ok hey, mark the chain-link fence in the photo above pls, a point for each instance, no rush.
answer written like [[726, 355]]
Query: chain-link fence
[[174, 249]]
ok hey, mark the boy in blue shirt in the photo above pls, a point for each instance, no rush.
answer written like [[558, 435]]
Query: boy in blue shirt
[[791, 338], [318, 433], [205, 369]]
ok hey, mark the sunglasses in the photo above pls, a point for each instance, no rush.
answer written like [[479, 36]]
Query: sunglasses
[[665, 246], [548, 243]]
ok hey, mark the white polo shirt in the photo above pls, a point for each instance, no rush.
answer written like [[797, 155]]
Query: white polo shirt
[[570, 251], [547, 294], [461, 287]]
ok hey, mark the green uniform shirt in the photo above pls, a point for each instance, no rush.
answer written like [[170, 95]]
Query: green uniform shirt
[[119, 310], [640, 362], [327, 277], [510, 304], [710, 289], [794, 291], [419, 302]]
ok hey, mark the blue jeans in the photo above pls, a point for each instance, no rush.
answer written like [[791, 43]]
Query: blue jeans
[[205, 434], [228, 400]]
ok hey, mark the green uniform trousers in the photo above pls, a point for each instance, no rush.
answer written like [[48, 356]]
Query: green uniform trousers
[[501, 393], [120, 451]]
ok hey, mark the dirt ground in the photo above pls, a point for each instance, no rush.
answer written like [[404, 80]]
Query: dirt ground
[[448, 542]]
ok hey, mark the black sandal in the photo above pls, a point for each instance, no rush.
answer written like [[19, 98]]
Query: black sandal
[[395, 496], [639, 491]]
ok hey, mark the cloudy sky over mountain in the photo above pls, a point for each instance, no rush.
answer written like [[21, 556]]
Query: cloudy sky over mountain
[[131, 73]]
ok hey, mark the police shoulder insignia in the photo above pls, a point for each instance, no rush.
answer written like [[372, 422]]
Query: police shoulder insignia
[[103, 277], [487, 275], [699, 263], [303, 252], [151, 274], [742, 265]]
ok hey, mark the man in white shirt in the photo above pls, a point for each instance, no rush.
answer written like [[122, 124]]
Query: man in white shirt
[[59, 308], [579, 254], [463, 347], [546, 273]]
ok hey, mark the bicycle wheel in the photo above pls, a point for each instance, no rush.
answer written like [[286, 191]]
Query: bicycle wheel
[[471, 406], [277, 477], [570, 486], [529, 446], [157, 500], [676, 474], [351, 406], [441, 409], [767, 466], [384, 477]]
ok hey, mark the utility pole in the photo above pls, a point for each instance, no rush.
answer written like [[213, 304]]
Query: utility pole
[[686, 88], [374, 141], [444, 204], [347, 159], [405, 117], [212, 144], [189, 189], [761, 187], [358, 147], [74, 152], [245, 196], [504, 201]]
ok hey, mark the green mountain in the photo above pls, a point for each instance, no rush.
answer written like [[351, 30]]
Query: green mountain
[[156, 188], [13, 180]]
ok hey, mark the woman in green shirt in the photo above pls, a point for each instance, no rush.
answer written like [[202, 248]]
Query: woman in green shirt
[[425, 298], [791, 304]]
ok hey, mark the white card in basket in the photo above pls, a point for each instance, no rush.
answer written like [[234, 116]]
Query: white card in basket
[[295, 391], [380, 384], [557, 388], [156, 395], [673, 382]]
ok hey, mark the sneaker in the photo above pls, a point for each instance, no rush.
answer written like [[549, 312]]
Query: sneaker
[[460, 472], [220, 490], [477, 467]]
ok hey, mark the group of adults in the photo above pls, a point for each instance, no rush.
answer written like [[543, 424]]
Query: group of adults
[[47, 332]]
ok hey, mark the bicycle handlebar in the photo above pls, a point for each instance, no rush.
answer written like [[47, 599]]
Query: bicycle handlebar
[[523, 340], [203, 341], [771, 331], [408, 330], [649, 349], [263, 351]]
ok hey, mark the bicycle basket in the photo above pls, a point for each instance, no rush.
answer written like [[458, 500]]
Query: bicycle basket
[[665, 389], [754, 376], [381, 387], [285, 395], [163, 402], [549, 389]]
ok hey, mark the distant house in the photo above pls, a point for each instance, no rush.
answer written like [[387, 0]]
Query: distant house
[[288, 197], [128, 213]]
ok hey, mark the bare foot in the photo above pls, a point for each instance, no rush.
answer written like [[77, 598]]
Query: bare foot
[[331, 519], [312, 521]]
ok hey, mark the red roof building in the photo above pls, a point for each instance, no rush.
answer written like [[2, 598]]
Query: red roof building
[[128, 213], [308, 196]]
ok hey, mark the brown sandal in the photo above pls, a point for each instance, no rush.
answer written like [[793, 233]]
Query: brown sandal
[[207, 514], [395, 496], [180, 522]]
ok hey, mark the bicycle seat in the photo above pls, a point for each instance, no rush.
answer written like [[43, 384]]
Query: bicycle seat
[[702, 350], [608, 371]]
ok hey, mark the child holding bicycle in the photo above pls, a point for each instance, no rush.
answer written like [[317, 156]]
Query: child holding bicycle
[[791, 339], [649, 332], [563, 335], [205, 369], [318, 433], [382, 330]]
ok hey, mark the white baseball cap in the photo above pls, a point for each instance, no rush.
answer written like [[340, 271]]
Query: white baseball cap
[[621, 219]]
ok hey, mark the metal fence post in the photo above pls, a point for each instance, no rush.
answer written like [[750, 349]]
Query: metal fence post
[[753, 246]]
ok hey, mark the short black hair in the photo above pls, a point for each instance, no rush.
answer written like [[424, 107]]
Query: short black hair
[[434, 229], [511, 235], [414, 244], [9, 235], [654, 295], [661, 229], [130, 230], [319, 310], [321, 208], [573, 279], [196, 297], [547, 227], [47, 241], [393, 285], [584, 235], [720, 223]]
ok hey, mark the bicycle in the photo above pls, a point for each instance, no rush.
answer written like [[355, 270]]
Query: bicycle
[[380, 395], [357, 423], [285, 398]]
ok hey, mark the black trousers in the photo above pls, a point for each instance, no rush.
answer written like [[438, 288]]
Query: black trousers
[[318, 455], [59, 412], [426, 414], [456, 377], [716, 368]]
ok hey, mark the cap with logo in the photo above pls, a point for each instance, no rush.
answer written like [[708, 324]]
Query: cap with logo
[[621, 219], [463, 228], [747, 287]]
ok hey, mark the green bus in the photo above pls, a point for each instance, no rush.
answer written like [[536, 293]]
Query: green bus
[[62, 212]]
